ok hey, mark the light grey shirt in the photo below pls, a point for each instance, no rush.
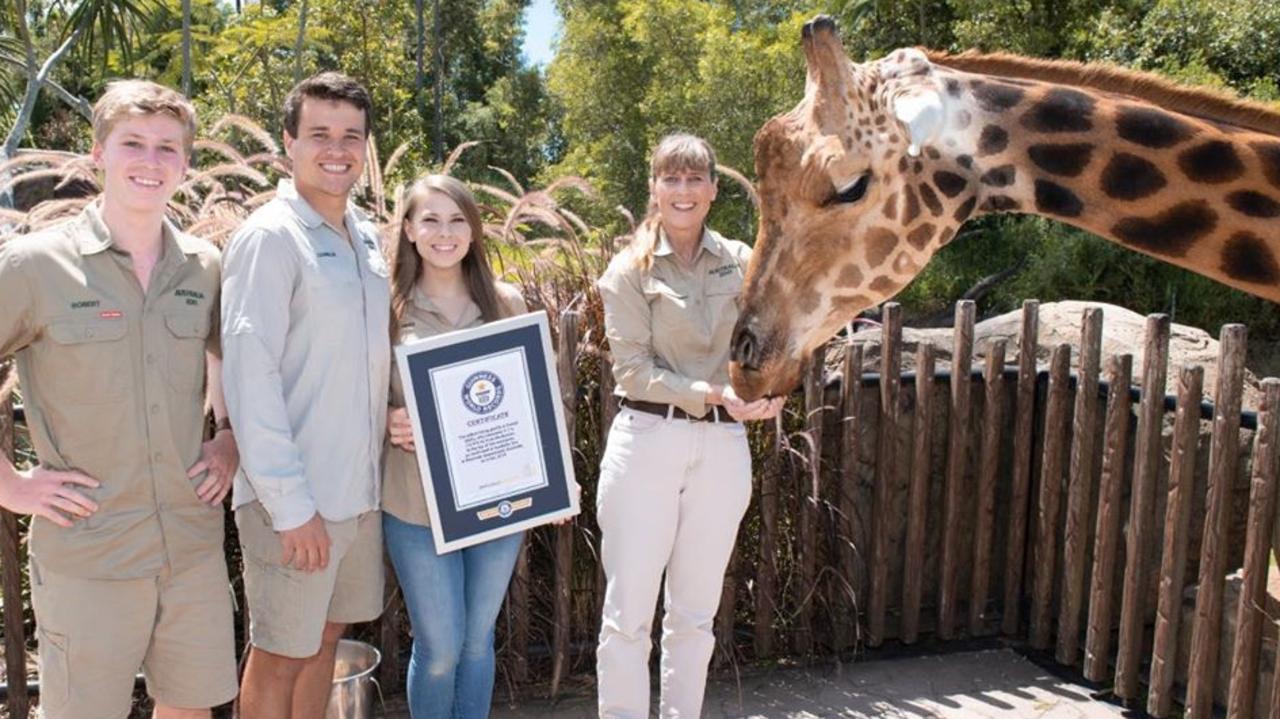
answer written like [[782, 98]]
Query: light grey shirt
[[306, 360]]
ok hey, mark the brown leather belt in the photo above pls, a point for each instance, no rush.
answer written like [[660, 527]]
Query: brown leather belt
[[715, 413]]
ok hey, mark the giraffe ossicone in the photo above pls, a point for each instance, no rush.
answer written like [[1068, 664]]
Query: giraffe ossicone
[[881, 163]]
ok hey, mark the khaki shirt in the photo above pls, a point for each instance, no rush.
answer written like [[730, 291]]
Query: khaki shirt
[[113, 381], [306, 361], [669, 326], [402, 492]]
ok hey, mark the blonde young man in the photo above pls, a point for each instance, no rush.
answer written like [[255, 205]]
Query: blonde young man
[[306, 308], [113, 317]]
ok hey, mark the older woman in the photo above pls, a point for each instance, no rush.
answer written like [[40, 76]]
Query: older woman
[[675, 479]]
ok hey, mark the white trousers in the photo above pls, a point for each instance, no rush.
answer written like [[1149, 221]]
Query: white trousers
[[671, 495]]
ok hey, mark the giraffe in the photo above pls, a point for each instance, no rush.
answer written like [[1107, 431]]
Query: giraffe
[[881, 163]]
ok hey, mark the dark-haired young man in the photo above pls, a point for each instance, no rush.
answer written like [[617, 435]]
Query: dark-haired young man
[[306, 304]]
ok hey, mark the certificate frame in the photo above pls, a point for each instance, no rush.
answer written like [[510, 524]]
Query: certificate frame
[[452, 430]]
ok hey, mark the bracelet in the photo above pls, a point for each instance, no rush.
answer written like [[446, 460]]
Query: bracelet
[[221, 424]]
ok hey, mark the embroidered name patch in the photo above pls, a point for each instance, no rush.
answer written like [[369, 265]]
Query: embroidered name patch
[[84, 304], [722, 270]]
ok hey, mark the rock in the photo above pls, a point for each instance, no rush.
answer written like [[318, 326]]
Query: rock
[[1122, 333]]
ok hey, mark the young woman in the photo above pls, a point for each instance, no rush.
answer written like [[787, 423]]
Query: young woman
[[441, 281], [675, 478]]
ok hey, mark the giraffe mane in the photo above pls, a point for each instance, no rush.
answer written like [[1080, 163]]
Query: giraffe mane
[[1204, 103]]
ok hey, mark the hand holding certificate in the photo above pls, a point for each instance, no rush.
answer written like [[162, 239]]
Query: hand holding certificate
[[489, 430]]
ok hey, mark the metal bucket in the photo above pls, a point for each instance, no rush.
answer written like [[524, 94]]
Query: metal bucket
[[353, 683]]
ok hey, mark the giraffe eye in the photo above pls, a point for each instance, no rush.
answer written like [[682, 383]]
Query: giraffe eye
[[851, 192]]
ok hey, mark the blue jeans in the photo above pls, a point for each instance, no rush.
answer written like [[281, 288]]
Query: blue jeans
[[453, 603]]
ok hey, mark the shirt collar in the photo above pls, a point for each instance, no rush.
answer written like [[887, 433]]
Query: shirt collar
[[95, 236], [709, 243], [426, 304], [286, 191]]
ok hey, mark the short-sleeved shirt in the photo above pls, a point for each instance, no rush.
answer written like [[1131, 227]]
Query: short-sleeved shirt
[[306, 360], [402, 492], [669, 325], [113, 381]]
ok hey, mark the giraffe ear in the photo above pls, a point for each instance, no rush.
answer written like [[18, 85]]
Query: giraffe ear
[[921, 113]]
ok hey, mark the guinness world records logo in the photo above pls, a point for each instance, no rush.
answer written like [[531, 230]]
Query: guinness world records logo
[[482, 392]]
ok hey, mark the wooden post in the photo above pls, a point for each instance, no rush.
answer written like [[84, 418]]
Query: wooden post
[[886, 470], [1250, 614], [15, 634], [1173, 556], [1146, 462], [566, 364], [1223, 450], [1046, 547], [957, 454], [1097, 651], [813, 406], [1020, 493], [1075, 540], [851, 403], [918, 495], [766, 567], [988, 474]]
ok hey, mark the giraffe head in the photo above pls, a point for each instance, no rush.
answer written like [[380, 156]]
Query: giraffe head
[[843, 179]]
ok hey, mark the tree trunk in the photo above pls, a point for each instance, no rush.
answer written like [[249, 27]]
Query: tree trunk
[[420, 75], [35, 79], [299, 43], [186, 47], [438, 143]]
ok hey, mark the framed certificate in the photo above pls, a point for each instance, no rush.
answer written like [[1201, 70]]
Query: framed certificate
[[489, 430]]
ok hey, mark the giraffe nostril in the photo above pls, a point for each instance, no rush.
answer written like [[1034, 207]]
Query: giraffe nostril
[[743, 349]]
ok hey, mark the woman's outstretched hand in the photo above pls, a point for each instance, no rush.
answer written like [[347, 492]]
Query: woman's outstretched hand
[[400, 429]]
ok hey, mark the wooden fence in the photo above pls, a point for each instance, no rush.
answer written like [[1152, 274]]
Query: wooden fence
[[950, 504]]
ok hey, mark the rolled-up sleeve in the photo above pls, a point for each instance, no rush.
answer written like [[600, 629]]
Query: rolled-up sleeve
[[628, 326], [260, 272]]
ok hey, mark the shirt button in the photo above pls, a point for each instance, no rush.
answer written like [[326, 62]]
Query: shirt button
[[151, 359], [157, 456], [155, 409], [88, 332]]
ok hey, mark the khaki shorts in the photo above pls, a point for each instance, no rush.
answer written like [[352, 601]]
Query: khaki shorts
[[94, 635], [288, 608]]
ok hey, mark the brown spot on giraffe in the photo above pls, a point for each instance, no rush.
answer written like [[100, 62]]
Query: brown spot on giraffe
[[993, 141], [1130, 177], [1171, 232], [880, 242], [1247, 257], [1214, 162], [1254, 204], [913, 205], [920, 236], [882, 285], [850, 277], [930, 199], [1065, 159], [891, 206]]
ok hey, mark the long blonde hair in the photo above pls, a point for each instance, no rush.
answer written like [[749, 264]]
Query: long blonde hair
[[677, 152], [406, 263]]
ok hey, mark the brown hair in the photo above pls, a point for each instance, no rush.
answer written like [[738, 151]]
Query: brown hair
[[677, 152], [406, 263], [141, 98], [327, 86]]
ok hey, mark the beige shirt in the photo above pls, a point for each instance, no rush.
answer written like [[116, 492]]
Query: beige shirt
[[113, 380], [402, 492], [669, 326], [306, 360]]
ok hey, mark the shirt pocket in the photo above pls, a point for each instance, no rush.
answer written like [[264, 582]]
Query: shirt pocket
[[189, 333], [88, 363], [669, 308]]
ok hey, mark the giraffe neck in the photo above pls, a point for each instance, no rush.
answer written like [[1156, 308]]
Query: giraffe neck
[[1197, 193]]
